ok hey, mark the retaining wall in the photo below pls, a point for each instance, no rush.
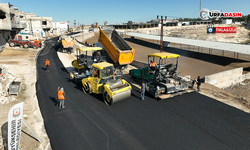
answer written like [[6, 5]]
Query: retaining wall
[[227, 78], [80, 38]]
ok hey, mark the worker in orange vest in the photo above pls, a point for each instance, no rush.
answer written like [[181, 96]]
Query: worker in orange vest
[[152, 65], [114, 74], [96, 73], [47, 64], [0, 71], [61, 97]]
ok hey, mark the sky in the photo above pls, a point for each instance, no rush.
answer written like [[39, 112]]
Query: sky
[[88, 12]]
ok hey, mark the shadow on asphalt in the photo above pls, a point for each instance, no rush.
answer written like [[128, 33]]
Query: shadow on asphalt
[[54, 100], [219, 60], [132, 94], [64, 69], [96, 96], [68, 80], [43, 68]]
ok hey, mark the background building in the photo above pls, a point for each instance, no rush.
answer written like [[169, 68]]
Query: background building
[[10, 23], [15, 24], [37, 26], [60, 27]]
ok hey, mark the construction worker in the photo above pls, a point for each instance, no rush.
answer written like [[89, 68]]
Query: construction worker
[[193, 82], [143, 87], [157, 89], [0, 71], [152, 65], [61, 97], [114, 74], [96, 73], [198, 82], [47, 64]]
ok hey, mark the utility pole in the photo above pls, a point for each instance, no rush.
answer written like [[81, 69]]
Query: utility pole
[[68, 26], [161, 39], [200, 5], [31, 26]]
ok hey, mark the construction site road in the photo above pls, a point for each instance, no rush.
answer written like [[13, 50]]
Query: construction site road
[[189, 121]]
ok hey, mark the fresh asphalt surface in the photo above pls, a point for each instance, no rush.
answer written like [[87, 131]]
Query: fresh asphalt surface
[[190, 121]]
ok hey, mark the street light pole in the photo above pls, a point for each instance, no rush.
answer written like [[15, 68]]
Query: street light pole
[[161, 50], [161, 39]]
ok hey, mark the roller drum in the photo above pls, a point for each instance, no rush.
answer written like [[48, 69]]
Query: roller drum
[[121, 96]]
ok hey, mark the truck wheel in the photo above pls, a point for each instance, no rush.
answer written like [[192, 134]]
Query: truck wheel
[[107, 98], [25, 45], [35, 47], [12, 44]]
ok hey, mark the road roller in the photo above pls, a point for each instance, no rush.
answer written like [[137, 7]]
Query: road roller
[[103, 81]]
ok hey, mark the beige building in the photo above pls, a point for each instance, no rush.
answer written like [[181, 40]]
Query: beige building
[[16, 24], [10, 23], [38, 26]]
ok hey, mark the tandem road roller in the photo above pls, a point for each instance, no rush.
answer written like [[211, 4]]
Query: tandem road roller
[[102, 81]]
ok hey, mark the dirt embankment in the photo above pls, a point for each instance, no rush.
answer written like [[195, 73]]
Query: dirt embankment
[[241, 91], [199, 32], [20, 64]]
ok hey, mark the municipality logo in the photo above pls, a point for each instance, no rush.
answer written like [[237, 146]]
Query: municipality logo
[[205, 14], [16, 112]]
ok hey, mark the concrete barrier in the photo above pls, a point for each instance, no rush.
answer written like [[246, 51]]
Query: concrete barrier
[[227, 78]]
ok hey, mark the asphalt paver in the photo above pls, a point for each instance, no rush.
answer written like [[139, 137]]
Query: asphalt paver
[[189, 121]]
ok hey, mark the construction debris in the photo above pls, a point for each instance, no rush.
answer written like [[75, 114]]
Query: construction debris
[[6, 78]]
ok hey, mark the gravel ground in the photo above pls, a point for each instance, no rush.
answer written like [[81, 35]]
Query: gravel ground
[[241, 91]]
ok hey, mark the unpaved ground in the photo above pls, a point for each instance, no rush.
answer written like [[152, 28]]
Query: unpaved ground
[[200, 32], [21, 63], [241, 91]]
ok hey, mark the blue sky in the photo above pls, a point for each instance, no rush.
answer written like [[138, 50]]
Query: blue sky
[[115, 11]]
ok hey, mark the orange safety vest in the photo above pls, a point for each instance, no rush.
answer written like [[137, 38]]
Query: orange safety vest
[[114, 74], [152, 64], [61, 95], [95, 73], [47, 62]]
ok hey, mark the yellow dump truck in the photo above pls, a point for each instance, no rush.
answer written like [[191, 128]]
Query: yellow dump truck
[[116, 47], [67, 43]]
